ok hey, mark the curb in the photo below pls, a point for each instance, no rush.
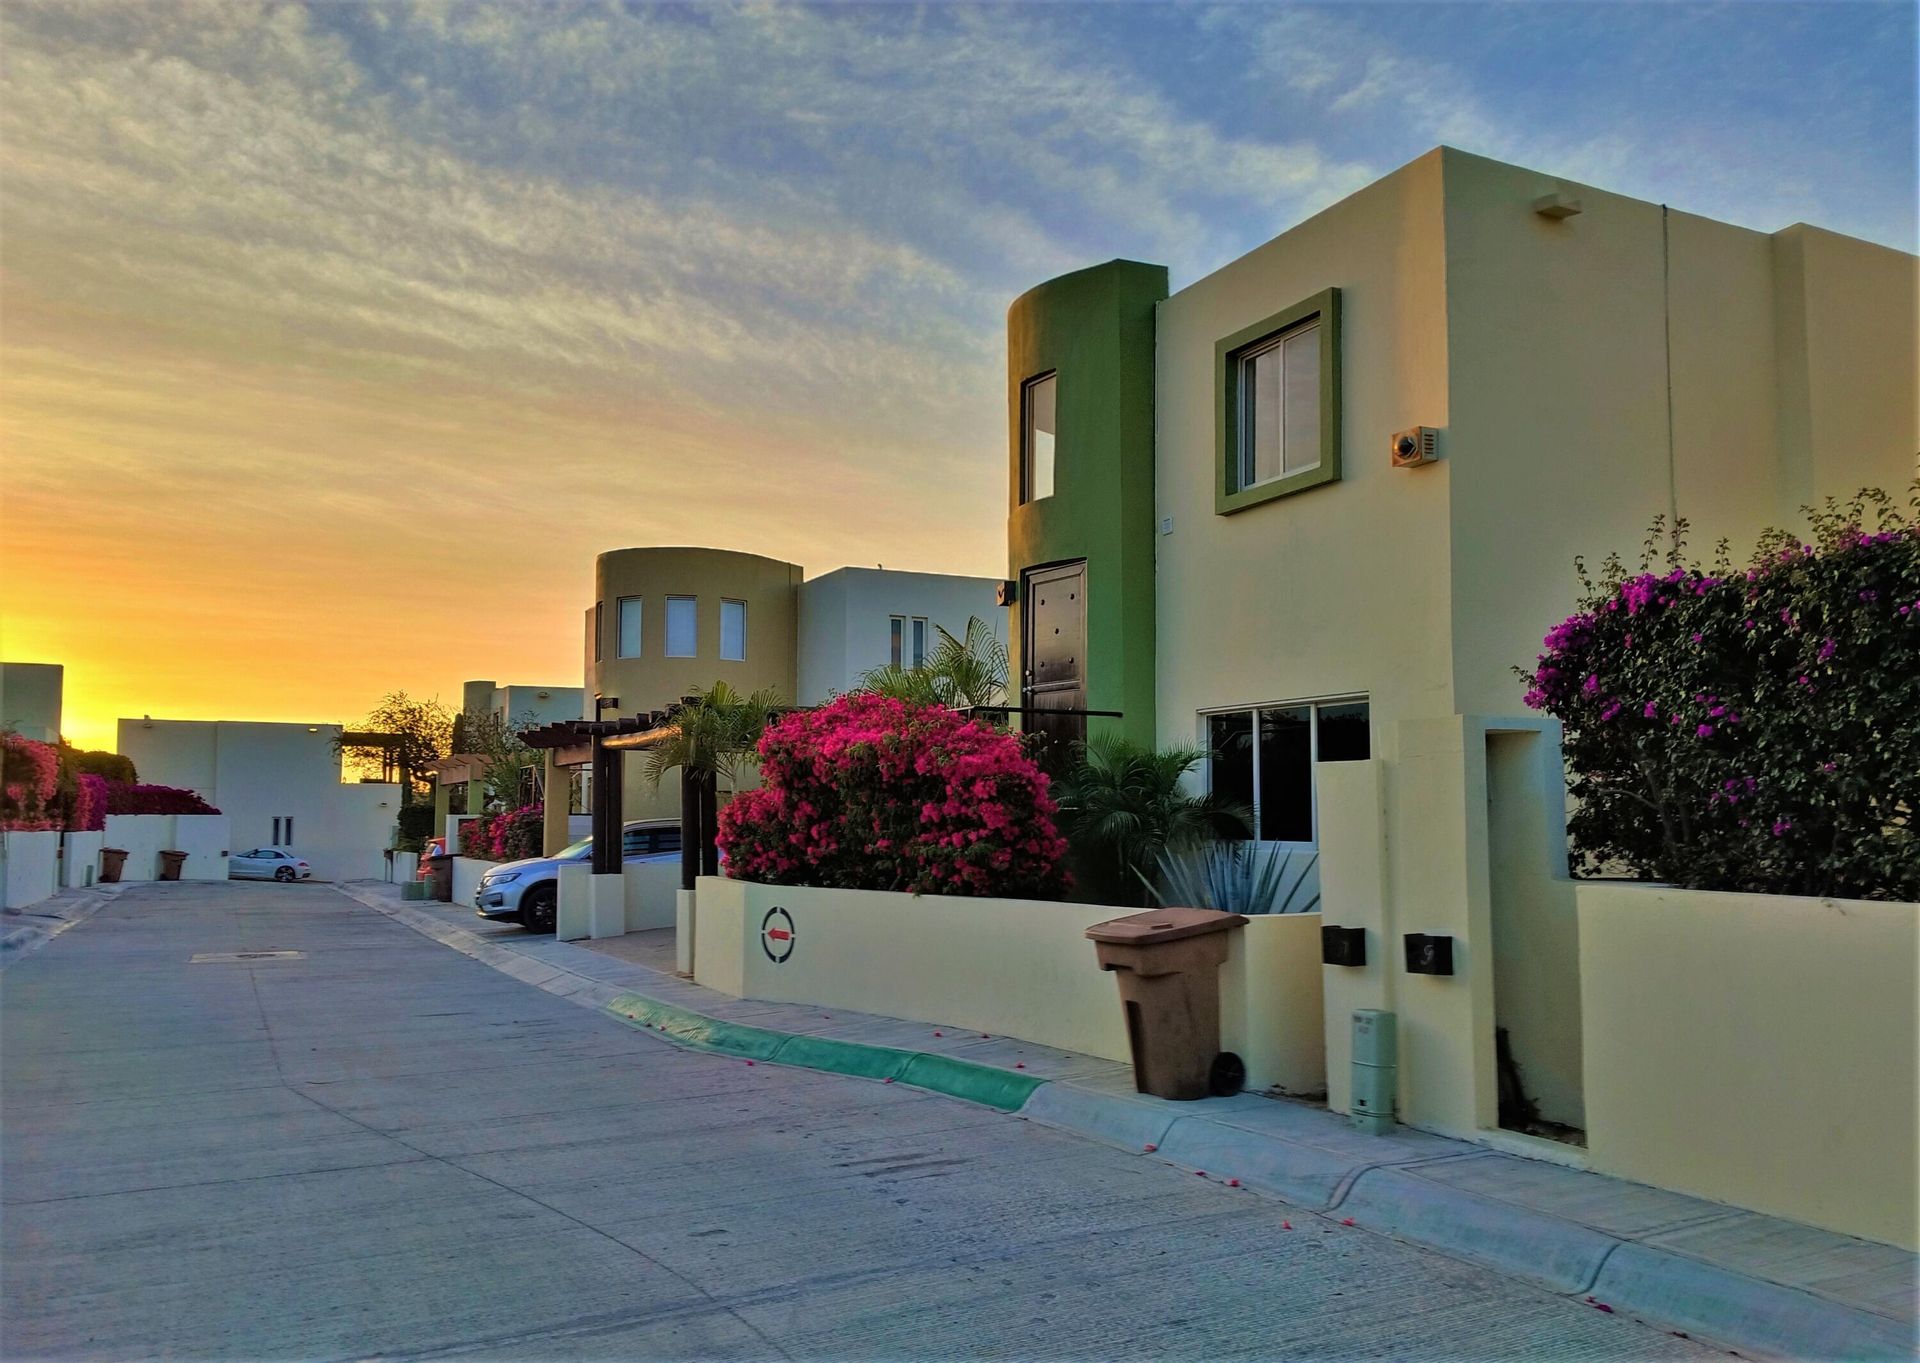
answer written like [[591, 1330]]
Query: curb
[[1661, 1288], [960, 1079]]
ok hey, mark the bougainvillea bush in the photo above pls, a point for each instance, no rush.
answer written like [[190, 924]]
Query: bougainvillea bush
[[1750, 730], [128, 797], [29, 784], [875, 793], [509, 836]]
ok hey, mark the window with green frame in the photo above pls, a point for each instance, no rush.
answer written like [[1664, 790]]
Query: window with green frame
[[1277, 390]]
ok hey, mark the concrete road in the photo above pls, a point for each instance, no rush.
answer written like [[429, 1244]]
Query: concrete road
[[383, 1148]]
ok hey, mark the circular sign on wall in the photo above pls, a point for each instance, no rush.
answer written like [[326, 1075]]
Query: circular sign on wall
[[776, 934]]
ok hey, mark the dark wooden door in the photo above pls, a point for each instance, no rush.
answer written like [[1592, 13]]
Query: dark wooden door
[[1054, 649]]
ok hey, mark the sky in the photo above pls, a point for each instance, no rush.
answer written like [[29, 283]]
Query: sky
[[336, 340]]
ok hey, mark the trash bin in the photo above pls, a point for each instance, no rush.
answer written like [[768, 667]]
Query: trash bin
[[441, 870], [170, 864], [111, 860], [1167, 964]]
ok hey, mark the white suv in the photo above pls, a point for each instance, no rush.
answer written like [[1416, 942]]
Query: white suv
[[528, 891]]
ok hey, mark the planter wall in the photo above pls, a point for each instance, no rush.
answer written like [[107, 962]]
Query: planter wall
[[1756, 1049], [1007, 967]]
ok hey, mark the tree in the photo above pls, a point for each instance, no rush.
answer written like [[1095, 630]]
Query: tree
[[1123, 805], [504, 757], [717, 733], [958, 673], [96, 762], [419, 732]]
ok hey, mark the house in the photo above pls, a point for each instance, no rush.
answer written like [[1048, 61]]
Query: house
[[669, 621], [1310, 511], [279, 785]]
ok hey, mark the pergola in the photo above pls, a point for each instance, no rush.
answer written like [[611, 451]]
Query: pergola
[[460, 769], [602, 746]]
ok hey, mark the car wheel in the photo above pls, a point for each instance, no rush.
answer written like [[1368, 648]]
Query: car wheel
[[536, 908], [284, 874]]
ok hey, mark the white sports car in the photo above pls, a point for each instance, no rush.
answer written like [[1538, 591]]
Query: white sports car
[[267, 863]]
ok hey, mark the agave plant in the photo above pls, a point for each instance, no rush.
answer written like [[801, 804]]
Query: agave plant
[[1123, 807], [1237, 877], [957, 673]]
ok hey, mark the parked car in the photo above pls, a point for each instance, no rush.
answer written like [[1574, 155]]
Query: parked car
[[528, 891], [267, 863]]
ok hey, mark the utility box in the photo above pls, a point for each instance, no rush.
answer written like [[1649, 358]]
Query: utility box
[[1376, 1070]]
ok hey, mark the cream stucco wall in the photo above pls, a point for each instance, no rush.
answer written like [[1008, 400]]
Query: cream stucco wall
[[1789, 361], [1343, 588], [1008, 967], [1756, 1049]]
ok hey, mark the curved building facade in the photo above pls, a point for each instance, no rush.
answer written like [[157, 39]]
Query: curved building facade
[[667, 621]]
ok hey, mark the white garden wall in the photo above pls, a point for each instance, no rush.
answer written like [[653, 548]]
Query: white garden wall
[[29, 867], [466, 878], [203, 837], [80, 859]]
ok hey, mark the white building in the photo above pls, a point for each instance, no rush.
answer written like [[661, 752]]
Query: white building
[[522, 706], [30, 696], [279, 786], [853, 620]]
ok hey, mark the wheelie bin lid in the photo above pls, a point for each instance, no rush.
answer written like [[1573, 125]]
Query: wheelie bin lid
[[1162, 925]]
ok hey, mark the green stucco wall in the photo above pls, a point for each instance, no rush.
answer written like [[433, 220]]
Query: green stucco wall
[[1095, 329]]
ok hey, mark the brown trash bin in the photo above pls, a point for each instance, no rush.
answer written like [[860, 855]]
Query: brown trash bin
[[441, 868], [1167, 964], [170, 864], [112, 859]]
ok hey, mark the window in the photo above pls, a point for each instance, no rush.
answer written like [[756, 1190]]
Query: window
[[283, 831], [276, 831], [1263, 759], [1278, 416], [683, 633], [919, 642], [598, 633], [733, 631], [628, 620], [1037, 424], [1280, 406], [897, 641]]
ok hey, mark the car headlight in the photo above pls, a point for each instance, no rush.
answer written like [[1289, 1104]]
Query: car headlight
[[499, 877]]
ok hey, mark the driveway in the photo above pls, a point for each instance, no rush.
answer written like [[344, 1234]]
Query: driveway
[[380, 1148]]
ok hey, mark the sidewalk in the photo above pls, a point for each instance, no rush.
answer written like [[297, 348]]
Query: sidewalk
[[1751, 1282]]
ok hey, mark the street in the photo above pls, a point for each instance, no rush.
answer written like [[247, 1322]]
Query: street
[[382, 1148]]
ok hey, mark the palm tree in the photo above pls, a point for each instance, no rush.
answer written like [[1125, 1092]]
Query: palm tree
[[1123, 805], [958, 673], [718, 730]]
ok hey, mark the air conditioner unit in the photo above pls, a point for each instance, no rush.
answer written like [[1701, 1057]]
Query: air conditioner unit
[[1416, 446]]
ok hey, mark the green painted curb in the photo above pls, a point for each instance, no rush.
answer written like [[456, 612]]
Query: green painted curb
[[942, 1074], [975, 1083]]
